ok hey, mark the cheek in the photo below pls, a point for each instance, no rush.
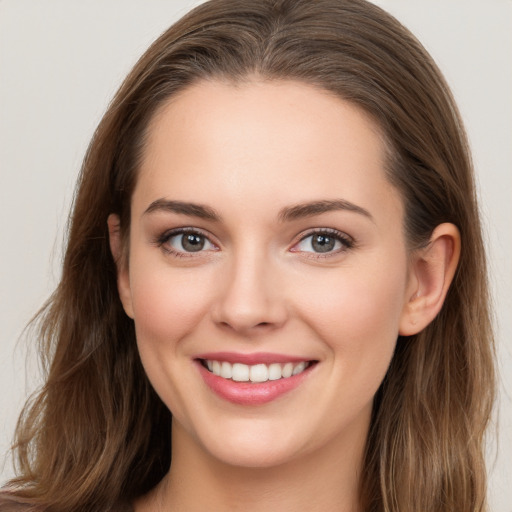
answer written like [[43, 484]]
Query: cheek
[[167, 304], [359, 301], [357, 314]]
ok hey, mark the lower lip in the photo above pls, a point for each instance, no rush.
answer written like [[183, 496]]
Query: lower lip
[[248, 393]]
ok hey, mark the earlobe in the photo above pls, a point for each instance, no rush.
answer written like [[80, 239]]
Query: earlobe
[[431, 273], [116, 248]]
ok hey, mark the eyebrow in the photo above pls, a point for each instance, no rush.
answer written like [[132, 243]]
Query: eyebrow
[[190, 209], [310, 209], [289, 213]]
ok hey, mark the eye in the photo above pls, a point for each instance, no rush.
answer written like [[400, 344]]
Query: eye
[[186, 241], [324, 242]]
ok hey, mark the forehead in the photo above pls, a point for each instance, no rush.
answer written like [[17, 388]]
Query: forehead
[[287, 141]]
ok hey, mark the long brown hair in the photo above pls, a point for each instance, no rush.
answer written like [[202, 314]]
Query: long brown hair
[[96, 432]]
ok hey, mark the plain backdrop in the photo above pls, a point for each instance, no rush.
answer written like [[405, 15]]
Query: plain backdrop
[[60, 63]]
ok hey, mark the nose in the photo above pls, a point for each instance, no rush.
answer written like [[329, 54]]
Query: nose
[[250, 298]]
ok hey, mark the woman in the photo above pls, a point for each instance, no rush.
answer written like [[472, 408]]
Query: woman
[[274, 278]]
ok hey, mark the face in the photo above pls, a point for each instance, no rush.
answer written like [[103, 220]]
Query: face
[[265, 241]]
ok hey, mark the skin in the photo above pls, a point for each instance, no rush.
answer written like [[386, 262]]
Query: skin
[[249, 152]]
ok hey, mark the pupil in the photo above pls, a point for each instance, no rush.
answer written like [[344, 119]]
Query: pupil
[[322, 243], [192, 243]]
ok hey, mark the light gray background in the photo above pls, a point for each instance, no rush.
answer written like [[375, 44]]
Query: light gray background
[[62, 60]]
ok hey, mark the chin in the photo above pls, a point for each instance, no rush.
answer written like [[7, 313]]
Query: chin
[[253, 448], [257, 457]]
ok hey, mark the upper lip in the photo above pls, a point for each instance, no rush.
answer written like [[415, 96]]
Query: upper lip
[[253, 358]]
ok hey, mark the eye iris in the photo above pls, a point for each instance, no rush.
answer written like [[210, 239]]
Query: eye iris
[[192, 242], [323, 243]]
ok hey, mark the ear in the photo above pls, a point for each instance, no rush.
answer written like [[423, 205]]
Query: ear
[[123, 277], [431, 273]]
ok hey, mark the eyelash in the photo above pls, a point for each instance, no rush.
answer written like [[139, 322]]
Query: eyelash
[[165, 237], [346, 241]]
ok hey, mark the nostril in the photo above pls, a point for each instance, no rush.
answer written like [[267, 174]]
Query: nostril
[[261, 325]]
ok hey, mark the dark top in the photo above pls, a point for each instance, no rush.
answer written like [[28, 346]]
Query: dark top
[[11, 503]]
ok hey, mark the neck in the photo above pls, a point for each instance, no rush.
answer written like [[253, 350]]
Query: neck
[[327, 479]]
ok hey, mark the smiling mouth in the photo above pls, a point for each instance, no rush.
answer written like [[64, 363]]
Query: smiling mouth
[[257, 373]]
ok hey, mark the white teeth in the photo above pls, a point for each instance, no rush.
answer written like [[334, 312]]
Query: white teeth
[[299, 368], [287, 370], [256, 373], [226, 371], [274, 371], [240, 372]]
